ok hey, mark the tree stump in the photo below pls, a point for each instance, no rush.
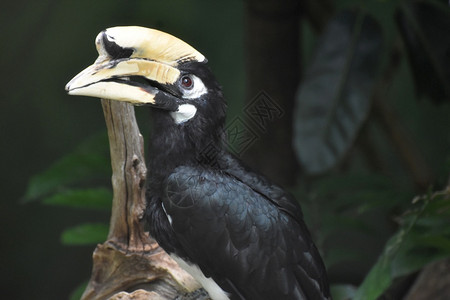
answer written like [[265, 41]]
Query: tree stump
[[130, 264]]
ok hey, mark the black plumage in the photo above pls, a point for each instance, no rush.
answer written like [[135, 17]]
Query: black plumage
[[240, 229], [240, 235]]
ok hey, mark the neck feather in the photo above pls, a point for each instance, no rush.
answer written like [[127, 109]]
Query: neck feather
[[189, 143]]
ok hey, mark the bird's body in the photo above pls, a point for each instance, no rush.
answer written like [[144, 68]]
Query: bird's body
[[238, 234]]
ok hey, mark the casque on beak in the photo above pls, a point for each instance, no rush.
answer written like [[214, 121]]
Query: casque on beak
[[129, 52]]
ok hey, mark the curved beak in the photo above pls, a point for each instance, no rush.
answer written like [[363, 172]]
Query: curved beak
[[129, 52]]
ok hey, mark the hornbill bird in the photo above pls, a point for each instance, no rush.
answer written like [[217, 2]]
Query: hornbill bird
[[237, 233]]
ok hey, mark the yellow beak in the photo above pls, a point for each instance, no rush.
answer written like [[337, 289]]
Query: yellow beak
[[126, 52]]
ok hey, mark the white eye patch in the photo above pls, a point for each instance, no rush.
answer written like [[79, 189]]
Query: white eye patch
[[184, 113], [198, 89]]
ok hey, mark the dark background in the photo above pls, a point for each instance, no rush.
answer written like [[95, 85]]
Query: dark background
[[45, 43]]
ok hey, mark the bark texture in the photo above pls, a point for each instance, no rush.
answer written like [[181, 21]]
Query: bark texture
[[130, 264]]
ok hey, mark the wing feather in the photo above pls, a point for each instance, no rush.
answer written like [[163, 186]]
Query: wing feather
[[228, 228]]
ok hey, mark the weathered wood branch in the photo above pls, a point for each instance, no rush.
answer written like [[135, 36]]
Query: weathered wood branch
[[398, 135], [130, 264]]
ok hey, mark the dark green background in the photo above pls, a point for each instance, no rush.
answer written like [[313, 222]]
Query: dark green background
[[43, 45]]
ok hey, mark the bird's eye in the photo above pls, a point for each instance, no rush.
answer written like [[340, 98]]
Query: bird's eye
[[191, 86], [187, 82]]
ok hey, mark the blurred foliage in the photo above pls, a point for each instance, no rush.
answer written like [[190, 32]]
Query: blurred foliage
[[88, 162], [359, 212], [64, 184], [78, 292], [358, 203], [423, 237], [97, 198], [85, 234], [45, 44], [334, 97]]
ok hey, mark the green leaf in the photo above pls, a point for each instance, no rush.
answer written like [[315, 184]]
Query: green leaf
[[89, 161], [334, 99], [419, 241], [99, 198], [361, 192], [85, 234], [78, 292], [379, 277], [425, 27], [413, 259], [342, 291], [350, 204]]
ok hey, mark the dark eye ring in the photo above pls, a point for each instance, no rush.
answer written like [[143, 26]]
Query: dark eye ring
[[187, 82]]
